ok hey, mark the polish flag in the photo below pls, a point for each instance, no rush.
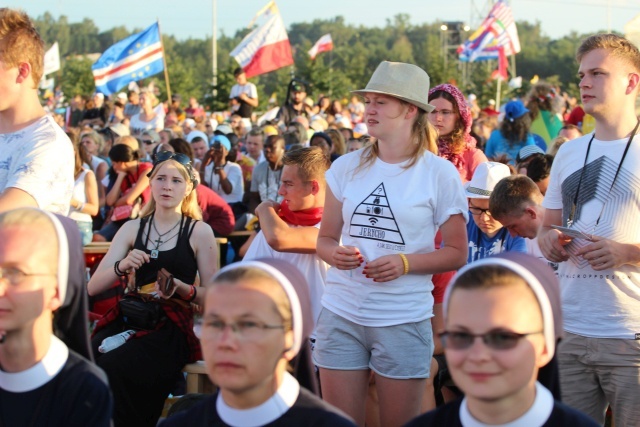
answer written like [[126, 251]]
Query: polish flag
[[266, 48], [324, 44]]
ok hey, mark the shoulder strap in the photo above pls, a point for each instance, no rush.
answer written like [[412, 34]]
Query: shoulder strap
[[143, 223], [193, 225]]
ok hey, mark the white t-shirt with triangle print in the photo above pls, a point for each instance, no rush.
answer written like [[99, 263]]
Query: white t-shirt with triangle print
[[388, 210]]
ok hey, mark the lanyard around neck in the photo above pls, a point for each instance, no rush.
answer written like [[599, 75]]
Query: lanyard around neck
[[615, 177], [276, 177]]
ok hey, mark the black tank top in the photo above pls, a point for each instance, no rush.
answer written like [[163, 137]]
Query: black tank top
[[179, 261]]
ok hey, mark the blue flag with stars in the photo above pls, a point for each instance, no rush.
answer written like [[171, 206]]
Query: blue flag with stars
[[132, 59]]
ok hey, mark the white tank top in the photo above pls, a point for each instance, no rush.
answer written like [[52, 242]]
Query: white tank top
[[80, 195]]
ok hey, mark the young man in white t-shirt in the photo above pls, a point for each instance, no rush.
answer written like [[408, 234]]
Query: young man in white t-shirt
[[36, 157], [289, 230], [594, 189], [243, 97]]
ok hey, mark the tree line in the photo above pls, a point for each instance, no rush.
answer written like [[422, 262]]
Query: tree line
[[357, 51]]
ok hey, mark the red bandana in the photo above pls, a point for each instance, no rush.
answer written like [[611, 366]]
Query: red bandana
[[304, 217]]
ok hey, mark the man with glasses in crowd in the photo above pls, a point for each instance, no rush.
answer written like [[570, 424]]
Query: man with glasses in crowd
[[486, 235], [150, 141]]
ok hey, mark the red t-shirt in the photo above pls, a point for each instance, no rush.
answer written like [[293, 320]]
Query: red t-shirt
[[131, 179], [215, 211]]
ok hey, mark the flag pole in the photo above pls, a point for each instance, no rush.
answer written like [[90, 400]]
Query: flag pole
[[330, 71], [498, 94], [164, 61]]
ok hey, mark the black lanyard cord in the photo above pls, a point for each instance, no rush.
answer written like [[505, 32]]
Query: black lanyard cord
[[615, 177]]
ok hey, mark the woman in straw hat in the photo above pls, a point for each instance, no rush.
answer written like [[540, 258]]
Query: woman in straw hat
[[383, 207], [503, 322]]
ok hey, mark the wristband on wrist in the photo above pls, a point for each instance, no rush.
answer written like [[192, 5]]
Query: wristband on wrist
[[192, 293], [405, 263], [116, 269]]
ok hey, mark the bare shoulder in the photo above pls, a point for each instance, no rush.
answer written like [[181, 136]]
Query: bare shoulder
[[202, 233], [128, 231]]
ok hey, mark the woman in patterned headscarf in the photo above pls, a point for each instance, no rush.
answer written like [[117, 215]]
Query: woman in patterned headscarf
[[452, 118]]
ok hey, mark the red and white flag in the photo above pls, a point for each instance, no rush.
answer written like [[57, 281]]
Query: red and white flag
[[266, 48], [503, 64], [324, 44]]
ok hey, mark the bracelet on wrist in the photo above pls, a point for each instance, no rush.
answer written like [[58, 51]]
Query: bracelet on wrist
[[405, 263], [116, 269], [192, 293]]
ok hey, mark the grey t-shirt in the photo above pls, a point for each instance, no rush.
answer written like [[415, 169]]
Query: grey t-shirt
[[266, 182]]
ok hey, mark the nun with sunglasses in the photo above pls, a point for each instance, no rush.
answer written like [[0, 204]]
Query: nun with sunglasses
[[503, 322], [165, 249]]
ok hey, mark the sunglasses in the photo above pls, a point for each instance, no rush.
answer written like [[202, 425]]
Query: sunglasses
[[181, 158], [495, 340], [163, 156], [147, 142]]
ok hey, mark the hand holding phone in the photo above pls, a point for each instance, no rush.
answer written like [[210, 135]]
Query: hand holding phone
[[573, 233]]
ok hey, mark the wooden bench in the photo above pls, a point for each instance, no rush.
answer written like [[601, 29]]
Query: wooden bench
[[197, 379], [95, 251]]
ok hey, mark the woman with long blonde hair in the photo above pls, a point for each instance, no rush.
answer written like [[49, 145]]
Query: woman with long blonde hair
[[169, 238], [383, 206]]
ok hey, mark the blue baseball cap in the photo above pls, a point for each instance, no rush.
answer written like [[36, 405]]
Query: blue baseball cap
[[223, 140], [514, 110]]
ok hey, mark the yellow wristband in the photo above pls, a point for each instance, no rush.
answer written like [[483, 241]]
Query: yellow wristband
[[405, 263]]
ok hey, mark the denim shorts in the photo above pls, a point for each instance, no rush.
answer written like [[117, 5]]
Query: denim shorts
[[397, 352]]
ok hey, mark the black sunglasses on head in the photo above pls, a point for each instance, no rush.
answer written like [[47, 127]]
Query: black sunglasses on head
[[181, 158], [163, 156]]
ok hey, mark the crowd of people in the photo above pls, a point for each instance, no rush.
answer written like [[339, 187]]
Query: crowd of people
[[371, 243]]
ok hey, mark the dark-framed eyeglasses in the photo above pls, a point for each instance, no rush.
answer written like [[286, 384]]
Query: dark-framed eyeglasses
[[478, 211], [495, 340], [14, 276]]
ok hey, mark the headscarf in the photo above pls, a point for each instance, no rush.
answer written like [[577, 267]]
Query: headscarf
[[70, 320], [296, 287], [444, 144], [539, 277]]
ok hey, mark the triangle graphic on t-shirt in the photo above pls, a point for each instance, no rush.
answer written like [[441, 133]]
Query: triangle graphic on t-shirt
[[373, 219]]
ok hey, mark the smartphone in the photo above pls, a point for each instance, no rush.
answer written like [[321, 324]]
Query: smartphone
[[573, 233]]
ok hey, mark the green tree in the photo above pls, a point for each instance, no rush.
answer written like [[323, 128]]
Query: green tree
[[77, 78], [357, 52]]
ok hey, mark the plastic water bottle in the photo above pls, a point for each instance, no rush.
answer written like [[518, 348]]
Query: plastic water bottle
[[115, 341]]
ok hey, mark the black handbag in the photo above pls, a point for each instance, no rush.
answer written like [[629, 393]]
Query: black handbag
[[140, 314]]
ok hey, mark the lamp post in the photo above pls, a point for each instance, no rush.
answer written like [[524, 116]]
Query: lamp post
[[214, 51], [452, 35]]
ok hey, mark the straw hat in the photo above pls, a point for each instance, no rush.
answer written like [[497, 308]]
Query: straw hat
[[404, 81], [485, 178]]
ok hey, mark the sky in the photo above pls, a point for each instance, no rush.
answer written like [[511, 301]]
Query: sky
[[193, 18]]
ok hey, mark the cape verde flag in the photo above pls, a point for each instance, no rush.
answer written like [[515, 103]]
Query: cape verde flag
[[132, 59]]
